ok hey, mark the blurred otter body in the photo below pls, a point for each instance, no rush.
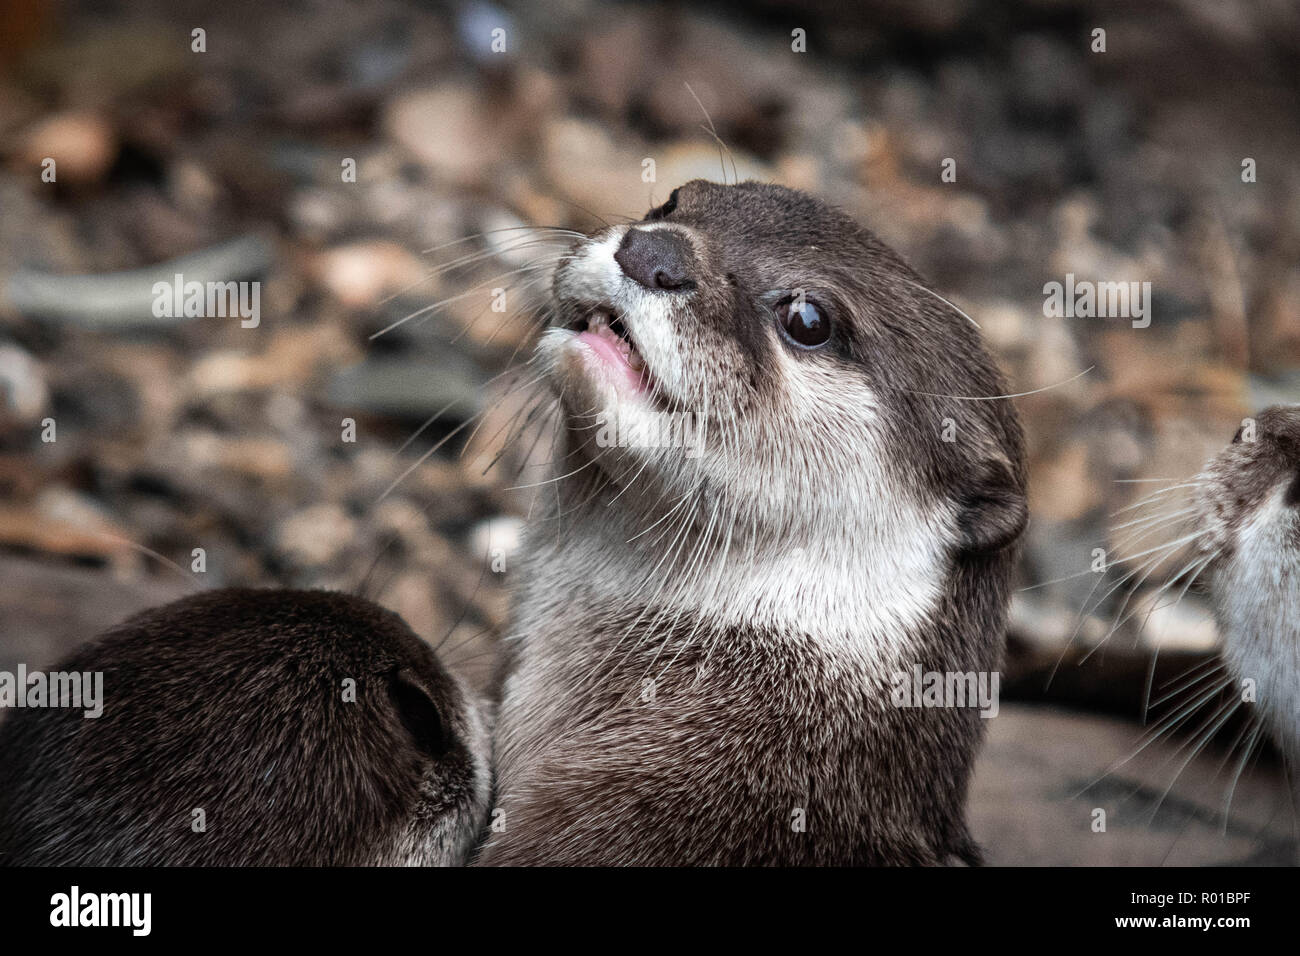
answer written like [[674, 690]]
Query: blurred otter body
[[250, 727], [1249, 513], [708, 632]]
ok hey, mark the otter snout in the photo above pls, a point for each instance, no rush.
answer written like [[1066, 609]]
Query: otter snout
[[659, 259], [1254, 481], [1249, 531]]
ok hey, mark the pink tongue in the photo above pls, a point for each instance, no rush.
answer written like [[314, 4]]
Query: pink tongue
[[609, 350]]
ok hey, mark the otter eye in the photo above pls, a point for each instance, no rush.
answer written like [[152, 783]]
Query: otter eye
[[665, 210], [803, 323]]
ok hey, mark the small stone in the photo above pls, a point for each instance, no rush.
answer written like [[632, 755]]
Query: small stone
[[595, 172], [497, 540], [412, 596], [453, 129], [361, 274], [63, 522], [23, 391], [316, 535], [192, 188], [1062, 489], [82, 145]]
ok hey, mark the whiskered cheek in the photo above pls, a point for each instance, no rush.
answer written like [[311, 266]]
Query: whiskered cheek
[[590, 274], [1243, 506], [1216, 515], [827, 401], [698, 369]]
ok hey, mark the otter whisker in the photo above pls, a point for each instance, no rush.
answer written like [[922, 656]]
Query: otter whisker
[[484, 632], [1197, 563], [460, 662], [1147, 570], [470, 258], [446, 408], [478, 417], [1187, 681], [166, 561], [680, 501], [572, 233], [712, 131], [713, 592], [1161, 553], [1155, 653], [946, 302], [543, 270], [1149, 737], [992, 398], [480, 255], [550, 481], [696, 561], [423, 458], [1160, 524], [1156, 495], [466, 261], [433, 307], [688, 517], [541, 406], [644, 465], [1121, 618], [1256, 735], [482, 417], [1223, 714], [1131, 557], [1159, 517], [1180, 716], [692, 514]]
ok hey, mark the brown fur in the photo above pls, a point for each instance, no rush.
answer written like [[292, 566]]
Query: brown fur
[[232, 701]]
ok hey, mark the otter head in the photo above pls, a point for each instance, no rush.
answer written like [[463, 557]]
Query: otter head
[[756, 349], [1250, 491], [1248, 513]]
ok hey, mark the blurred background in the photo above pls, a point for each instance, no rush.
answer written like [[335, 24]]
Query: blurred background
[[372, 163]]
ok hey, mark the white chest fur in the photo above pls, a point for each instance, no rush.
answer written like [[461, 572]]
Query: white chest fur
[[1257, 598]]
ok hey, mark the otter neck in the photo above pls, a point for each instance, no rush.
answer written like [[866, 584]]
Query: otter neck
[[1257, 608], [867, 586]]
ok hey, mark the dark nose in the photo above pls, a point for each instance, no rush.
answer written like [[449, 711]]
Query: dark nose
[[657, 258]]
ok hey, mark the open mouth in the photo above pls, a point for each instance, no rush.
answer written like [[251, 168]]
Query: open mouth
[[602, 330]]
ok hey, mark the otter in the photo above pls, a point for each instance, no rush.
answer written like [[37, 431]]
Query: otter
[[250, 727], [788, 482], [787, 478], [1248, 516]]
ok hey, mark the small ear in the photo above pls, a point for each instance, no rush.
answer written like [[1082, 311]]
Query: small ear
[[419, 713], [993, 508]]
